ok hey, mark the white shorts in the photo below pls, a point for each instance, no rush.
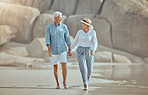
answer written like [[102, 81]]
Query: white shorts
[[56, 59]]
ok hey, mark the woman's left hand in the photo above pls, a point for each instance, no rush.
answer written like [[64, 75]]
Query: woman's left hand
[[92, 52]]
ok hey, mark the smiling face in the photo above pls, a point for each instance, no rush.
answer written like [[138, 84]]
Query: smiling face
[[84, 27], [58, 19]]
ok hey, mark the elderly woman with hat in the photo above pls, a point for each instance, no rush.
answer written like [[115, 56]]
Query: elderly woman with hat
[[86, 43]]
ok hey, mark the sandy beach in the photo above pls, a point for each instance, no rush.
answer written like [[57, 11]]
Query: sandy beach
[[107, 79]]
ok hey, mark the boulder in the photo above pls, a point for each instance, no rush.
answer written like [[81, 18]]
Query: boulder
[[13, 48], [11, 60], [17, 51], [103, 56], [37, 48], [133, 58], [42, 5], [6, 34], [120, 59], [146, 60], [12, 44], [20, 17], [48, 12], [41, 24], [88, 6], [129, 25], [102, 28], [67, 7]]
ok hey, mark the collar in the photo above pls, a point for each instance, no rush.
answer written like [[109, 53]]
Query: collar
[[58, 24]]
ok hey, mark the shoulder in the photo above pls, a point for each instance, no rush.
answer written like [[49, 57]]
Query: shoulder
[[48, 26], [51, 25], [79, 31], [92, 31], [64, 25]]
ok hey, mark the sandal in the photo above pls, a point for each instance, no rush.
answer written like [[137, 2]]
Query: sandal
[[65, 86], [85, 88], [58, 87]]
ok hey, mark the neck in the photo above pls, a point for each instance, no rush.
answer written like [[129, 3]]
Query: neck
[[85, 30], [56, 23]]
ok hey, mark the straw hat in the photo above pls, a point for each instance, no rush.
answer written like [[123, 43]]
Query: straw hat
[[87, 21]]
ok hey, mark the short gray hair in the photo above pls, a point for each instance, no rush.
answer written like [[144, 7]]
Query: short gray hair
[[57, 13]]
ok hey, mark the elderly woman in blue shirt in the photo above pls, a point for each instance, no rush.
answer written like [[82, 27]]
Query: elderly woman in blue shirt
[[56, 36]]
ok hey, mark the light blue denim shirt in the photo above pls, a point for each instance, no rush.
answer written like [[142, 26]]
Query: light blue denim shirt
[[56, 36]]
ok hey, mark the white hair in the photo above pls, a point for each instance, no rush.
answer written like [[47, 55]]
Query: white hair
[[57, 13]]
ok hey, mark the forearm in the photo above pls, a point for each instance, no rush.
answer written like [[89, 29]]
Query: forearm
[[48, 46]]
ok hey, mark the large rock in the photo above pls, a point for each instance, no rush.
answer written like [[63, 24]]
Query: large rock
[[13, 48], [67, 7], [103, 56], [101, 26], [20, 17], [41, 24], [17, 51], [146, 60], [42, 5], [11, 60], [6, 34], [129, 25], [88, 7], [133, 58], [120, 59], [48, 12], [37, 48]]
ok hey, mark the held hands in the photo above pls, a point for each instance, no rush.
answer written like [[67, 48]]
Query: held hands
[[69, 53]]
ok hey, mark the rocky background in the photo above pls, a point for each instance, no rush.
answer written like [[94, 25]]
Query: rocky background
[[121, 27]]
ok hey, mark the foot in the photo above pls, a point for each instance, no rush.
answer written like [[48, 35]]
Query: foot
[[58, 87], [65, 85], [85, 88]]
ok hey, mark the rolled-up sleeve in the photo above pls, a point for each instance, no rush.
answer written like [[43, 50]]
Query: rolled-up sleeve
[[67, 36], [48, 36]]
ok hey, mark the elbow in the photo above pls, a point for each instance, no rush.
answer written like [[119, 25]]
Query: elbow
[[47, 43]]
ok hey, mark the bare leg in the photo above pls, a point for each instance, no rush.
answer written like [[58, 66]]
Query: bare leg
[[85, 88], [56, 75], [64, 73]]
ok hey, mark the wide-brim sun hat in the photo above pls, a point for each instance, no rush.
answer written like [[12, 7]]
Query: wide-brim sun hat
[[87, 21]]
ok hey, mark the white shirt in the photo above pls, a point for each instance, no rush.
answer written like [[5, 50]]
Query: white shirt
[[83, 39]]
